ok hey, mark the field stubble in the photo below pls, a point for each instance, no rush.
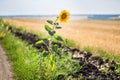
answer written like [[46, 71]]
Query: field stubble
[[97, 34]]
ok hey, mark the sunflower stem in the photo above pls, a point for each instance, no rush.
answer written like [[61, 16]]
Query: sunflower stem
[[55, 22]]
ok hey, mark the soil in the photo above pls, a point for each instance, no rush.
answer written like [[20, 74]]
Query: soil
[[92, 66], [5, 68]]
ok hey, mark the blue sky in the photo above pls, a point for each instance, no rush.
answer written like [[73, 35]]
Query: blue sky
[[46, 7]]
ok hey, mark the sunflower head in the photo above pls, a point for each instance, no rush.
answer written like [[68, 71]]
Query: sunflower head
[[64, 16]]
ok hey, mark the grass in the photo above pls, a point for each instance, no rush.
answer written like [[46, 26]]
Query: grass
[[88, 49], [25, 59], [29, 64], [70, 43], [103, 53]]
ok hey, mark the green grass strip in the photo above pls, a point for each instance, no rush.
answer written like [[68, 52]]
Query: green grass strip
[[25, 59]]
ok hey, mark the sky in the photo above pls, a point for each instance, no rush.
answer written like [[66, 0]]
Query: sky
[[51, 7]]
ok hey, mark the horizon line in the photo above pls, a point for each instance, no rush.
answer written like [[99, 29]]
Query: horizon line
[[53, 14]]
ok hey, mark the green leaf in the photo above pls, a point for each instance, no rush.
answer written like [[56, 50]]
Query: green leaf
[[59, 38], [39, 42], [46, 40], [45, 53], [52, 32], [58, 27], [48, 28], [50, 22], [58, 51], [55, 48]]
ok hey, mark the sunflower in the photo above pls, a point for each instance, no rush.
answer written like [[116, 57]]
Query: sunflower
[[64, 16]]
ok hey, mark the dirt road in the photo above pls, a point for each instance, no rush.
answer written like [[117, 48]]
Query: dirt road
[[5, 68]]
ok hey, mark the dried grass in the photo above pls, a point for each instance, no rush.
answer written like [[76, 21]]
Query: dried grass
[[98, 34]]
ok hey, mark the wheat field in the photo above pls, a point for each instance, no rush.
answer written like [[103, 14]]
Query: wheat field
[[95, 33]]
